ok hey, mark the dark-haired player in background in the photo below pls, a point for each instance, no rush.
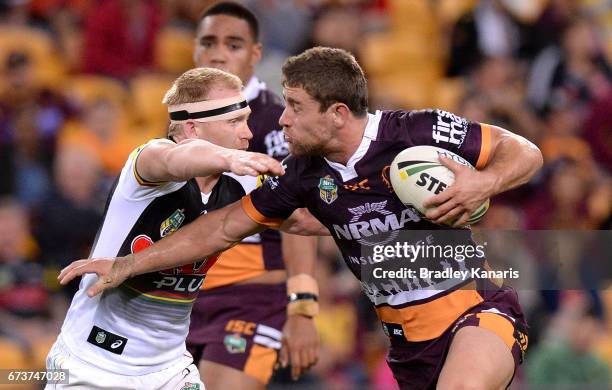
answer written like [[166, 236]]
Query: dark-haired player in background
[[444, 333], [237, 322]]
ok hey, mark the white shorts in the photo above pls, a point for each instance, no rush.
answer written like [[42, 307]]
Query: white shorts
[[183, 375]]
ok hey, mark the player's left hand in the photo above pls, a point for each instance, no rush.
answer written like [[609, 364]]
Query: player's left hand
[[300, 346], [470, 189], [111, 272]]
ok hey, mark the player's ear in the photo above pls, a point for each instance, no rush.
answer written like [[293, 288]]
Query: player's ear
[[257, 53], [189, 129], [340, 113]]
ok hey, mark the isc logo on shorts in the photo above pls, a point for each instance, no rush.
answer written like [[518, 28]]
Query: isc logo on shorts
[[239, 326]]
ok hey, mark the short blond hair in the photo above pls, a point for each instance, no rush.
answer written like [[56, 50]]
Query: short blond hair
[[194, 86]]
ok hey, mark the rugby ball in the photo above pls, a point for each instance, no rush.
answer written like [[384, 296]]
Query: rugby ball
[[416, 175]]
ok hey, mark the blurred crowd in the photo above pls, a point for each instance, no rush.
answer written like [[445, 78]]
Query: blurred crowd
[[82, 86]]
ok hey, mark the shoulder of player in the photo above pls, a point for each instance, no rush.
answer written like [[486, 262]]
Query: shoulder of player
[[407, 116], [397, 122], [299, 166], [130, 169], [153, 141]]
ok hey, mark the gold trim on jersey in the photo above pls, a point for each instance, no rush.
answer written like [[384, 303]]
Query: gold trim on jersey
[[485, 146], [255, 215], [241, 262], [429, 320], [141, 180]]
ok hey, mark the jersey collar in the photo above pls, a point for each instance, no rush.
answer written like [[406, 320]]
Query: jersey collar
[[370, 134], [253, 88]]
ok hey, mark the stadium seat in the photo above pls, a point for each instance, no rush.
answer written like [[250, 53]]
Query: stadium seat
[[410, 14], [84, 89], [410, 90], [49, 69], [173, 50], [147, 92], [387, 52], [12, 356], [447, 94]]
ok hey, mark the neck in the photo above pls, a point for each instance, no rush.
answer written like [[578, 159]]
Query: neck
[[347, 141], [207, 183], [247, 79]]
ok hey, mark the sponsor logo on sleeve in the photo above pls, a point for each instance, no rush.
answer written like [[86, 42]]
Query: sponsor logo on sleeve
[[449, 129]]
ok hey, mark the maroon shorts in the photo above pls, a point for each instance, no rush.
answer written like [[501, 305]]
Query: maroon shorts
[[417, 365], [239, 326]]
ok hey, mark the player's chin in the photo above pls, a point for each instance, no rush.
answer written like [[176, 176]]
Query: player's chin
[[294, 151], [298, 150]]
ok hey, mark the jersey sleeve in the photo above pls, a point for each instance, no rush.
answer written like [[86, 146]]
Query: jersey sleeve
[[470, 140], [275, 199], [134, 187]]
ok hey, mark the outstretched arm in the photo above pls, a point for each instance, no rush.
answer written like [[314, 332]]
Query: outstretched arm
[[207, 235], [167, 161], [513, 161]]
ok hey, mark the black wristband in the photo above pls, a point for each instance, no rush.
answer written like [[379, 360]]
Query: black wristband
[[302, 296]]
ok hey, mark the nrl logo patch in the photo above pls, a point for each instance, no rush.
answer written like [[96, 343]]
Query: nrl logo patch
[[328, 190], [234, 343], [172, 223], [100, 337]]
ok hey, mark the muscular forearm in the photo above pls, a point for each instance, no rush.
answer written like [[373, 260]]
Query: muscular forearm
[[514, 161], [207, 235], [196, 158], [300, 255]]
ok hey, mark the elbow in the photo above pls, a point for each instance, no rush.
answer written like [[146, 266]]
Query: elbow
[[527, 153], [224, 238], [225, 242], [537, 158]]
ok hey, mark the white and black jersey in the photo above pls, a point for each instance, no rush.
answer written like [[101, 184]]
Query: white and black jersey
[[141, 326]]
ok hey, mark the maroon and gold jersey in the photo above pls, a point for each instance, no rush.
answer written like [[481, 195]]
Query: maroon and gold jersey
[[357, 204]]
